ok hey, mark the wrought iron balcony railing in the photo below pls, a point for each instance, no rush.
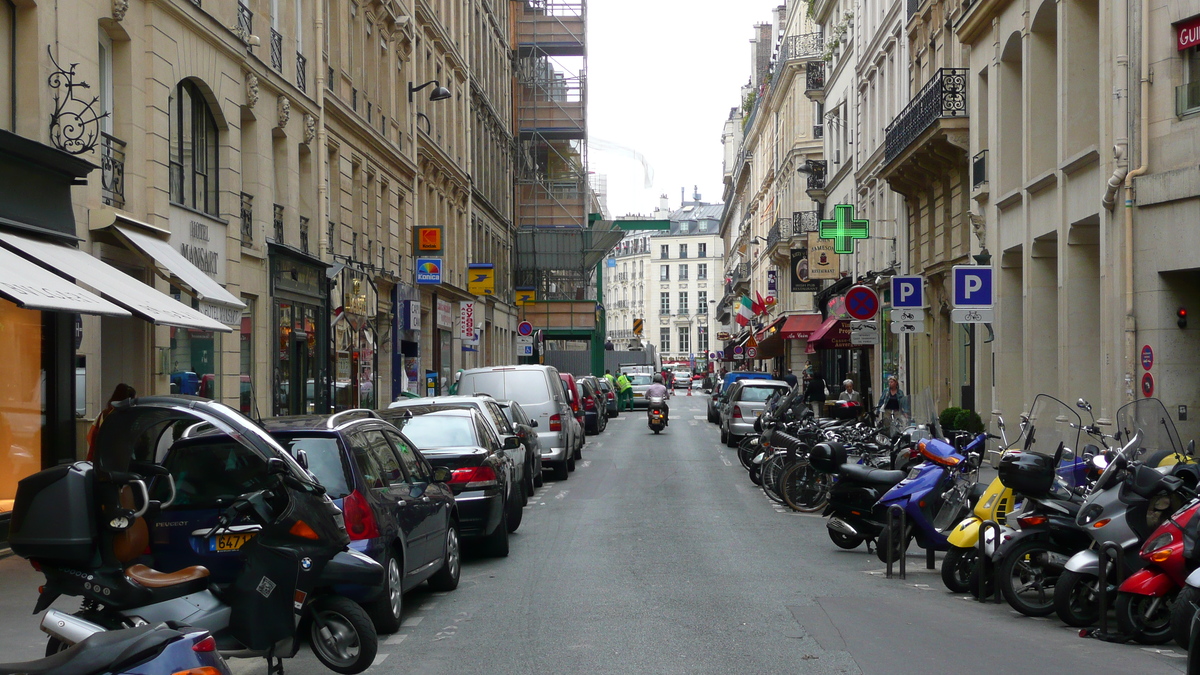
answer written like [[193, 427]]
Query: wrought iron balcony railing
[[818, 131], [816, 173], [276, 50], [979, 169], [803, 46], [775, 233], [301, 72], [814, 75], [945, 95], [804, 222], [247, 213], [245, 23], [279, 223], [112, 171], [304, 234]]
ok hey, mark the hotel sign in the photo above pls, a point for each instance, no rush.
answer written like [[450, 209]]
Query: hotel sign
[[1188, 33]]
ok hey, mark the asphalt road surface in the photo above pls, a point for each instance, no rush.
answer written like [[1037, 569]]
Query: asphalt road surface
[[659, 556]]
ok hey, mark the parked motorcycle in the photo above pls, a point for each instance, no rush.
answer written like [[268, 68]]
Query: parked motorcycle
[[656, 415], [160, 649], [85, 527], [852, 511], [1146, 600]]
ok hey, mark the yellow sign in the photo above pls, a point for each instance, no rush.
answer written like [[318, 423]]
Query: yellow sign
[[526, 297], [823, 261], [481, 279], [638, 325]]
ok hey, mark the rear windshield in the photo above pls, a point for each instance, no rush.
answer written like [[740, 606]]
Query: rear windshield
[[440, 431], [527, 387], [326, 461], [639, 379], [209, 475], [757, 394]]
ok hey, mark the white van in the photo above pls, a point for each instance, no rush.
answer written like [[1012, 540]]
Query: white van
[[539, 390]]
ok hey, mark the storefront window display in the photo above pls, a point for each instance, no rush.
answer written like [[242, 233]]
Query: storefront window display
[[355, 342], [300, 323], [246, 371], [22, 398]]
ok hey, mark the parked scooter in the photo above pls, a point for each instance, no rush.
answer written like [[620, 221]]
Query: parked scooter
[[85, 528], [144, 650], [656, 415], [852, 511], [1146, 600]]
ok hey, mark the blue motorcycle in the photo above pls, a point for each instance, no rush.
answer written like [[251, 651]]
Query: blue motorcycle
[[145, 650], [934, 496]]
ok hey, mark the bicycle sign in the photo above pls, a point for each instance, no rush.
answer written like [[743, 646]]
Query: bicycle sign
[[981, 315]]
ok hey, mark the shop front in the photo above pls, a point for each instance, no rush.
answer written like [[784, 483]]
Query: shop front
[[406, 357], [355, 339], [300, 374]]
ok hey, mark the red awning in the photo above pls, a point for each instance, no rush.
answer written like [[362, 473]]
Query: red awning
[[833, 334], [801, 326], [767, 332]]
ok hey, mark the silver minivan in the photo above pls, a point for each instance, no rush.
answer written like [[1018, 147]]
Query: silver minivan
[[539, 390], [747, 398]]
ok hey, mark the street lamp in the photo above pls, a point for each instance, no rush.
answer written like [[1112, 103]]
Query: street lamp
[[439, 92]]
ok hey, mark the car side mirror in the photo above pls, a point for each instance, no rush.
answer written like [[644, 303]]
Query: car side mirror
[[533, 424], [302, 458], [441, 475], [511, 442], [276, 467]]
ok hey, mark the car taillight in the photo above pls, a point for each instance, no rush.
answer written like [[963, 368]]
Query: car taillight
[[360, 522], [474, 477], [555, 422], [611, 396], [737, 412], [208, 644], [589, 403], [574, 406]]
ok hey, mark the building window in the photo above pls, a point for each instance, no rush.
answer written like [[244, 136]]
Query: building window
[[702, 302], [685, 339], [664, 303], [683, 302], [663, 252], [702, 250], [702, 339], [702, 271], [1187, 96], [247, 359], [683, 250], [193, 150], [664, 340], [664, 273], [683, 272]]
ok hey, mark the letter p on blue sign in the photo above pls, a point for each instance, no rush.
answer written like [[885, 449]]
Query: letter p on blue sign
[[973, 286], [908, 292]]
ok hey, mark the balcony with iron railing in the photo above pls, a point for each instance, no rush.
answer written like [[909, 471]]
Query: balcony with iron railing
[[301, 72], [944, 96], [245, 23], [814, 80], [278, 223], [277, 50], [796, 47], [112, 171], [802, 223], [247, 216], [979, 170], [816, 170], [774, 235], [740, 275], [552, 27]]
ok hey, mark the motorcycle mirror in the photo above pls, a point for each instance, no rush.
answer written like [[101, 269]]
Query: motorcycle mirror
[[1191, 448], [533, 424], [1000, 422], [1068, 454], [1081, 404], [1100, 462]]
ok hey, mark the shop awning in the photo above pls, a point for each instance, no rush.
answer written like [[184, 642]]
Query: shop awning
[[214, 299], [122, 289], [770, 344], [834, 333], [801, 326], [770, 330], [32, 287]]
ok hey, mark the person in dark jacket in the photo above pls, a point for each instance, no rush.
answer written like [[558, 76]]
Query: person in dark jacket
[[790, 378], [814, 392]]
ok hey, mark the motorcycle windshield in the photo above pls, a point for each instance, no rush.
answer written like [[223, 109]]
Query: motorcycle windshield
[[1149, 416], [1051, 423]]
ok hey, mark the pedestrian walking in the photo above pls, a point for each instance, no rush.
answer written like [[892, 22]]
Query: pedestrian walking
[[848, 392], [893, 404], [122, 392], [814, 392], [624, 393], [790, 378]]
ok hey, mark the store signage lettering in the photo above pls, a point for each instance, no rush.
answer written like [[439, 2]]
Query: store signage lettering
[[1188, 33], [201, 241], [201, 257], [466, 320], [227, 315]]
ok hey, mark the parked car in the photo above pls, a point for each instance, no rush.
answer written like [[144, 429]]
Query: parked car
[[526, 429], [682, 379], [540, 392], [575, 399], [489, 504], [714, 403], [745, 403], [610, 397], [720, 396], [595, 414], [397, 507], [493, 414]]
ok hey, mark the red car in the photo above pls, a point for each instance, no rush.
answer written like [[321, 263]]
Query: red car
[[575, 398]]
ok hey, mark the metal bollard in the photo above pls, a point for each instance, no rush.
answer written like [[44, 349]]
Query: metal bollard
[[930, 561], [1109, 552], [982, 563], [896, 514]]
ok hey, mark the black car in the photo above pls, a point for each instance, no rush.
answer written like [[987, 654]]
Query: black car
[[397, 506], [595, 412], [525, 426], [489, 500]]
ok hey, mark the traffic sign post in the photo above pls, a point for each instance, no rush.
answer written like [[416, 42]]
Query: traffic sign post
[[982, 315], [908, 292], [525, 329], [752, 352], [864, 333], [862, 303], [907, 328], [973, 287]]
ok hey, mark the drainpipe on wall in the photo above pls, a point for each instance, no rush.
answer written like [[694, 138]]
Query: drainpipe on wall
[[322, 154], [1144, 153]]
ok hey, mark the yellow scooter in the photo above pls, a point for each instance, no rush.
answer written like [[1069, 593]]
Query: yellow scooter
[[995, 505]]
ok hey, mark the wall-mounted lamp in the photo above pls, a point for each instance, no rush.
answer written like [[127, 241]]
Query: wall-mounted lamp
[[439, 92]]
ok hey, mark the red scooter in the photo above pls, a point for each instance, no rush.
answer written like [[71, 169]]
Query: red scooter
[[1145, 600]]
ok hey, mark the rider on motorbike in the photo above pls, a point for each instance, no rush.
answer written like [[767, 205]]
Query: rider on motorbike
[[658, 390]]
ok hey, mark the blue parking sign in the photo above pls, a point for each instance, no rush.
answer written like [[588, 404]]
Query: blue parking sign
[[908, 292], [973, 286]]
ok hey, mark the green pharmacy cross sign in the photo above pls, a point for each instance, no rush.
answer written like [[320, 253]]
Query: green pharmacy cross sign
[[844, 229]]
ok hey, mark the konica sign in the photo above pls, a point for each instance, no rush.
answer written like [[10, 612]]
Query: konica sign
[[429, 270]]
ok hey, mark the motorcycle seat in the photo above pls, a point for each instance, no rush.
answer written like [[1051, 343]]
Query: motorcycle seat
[[150, 578], [110, 651], [865, 474]]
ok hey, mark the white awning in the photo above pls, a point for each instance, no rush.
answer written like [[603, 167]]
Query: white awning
[[144, 301], [32, 287], [215, 301]]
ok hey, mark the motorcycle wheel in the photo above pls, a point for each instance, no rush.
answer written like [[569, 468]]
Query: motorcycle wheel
[[1146, 619], [803, 488], [1075, 598], [957, 568], [341, 635], [890, 539], [843, 540], [756, 475], [1182, 612], [656, 432], [1027, 577]]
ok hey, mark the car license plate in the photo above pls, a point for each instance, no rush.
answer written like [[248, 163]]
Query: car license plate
[[638, 394], [229, 542]]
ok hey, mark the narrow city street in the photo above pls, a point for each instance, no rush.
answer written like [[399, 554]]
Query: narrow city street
[[659, 556]]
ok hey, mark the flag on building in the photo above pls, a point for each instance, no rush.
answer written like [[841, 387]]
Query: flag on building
[[745, 311], [760, 305]]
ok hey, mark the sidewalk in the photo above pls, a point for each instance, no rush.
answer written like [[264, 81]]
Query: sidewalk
[[20, 638]]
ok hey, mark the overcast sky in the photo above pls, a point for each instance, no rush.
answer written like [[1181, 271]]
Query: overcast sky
[[662, 76]]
